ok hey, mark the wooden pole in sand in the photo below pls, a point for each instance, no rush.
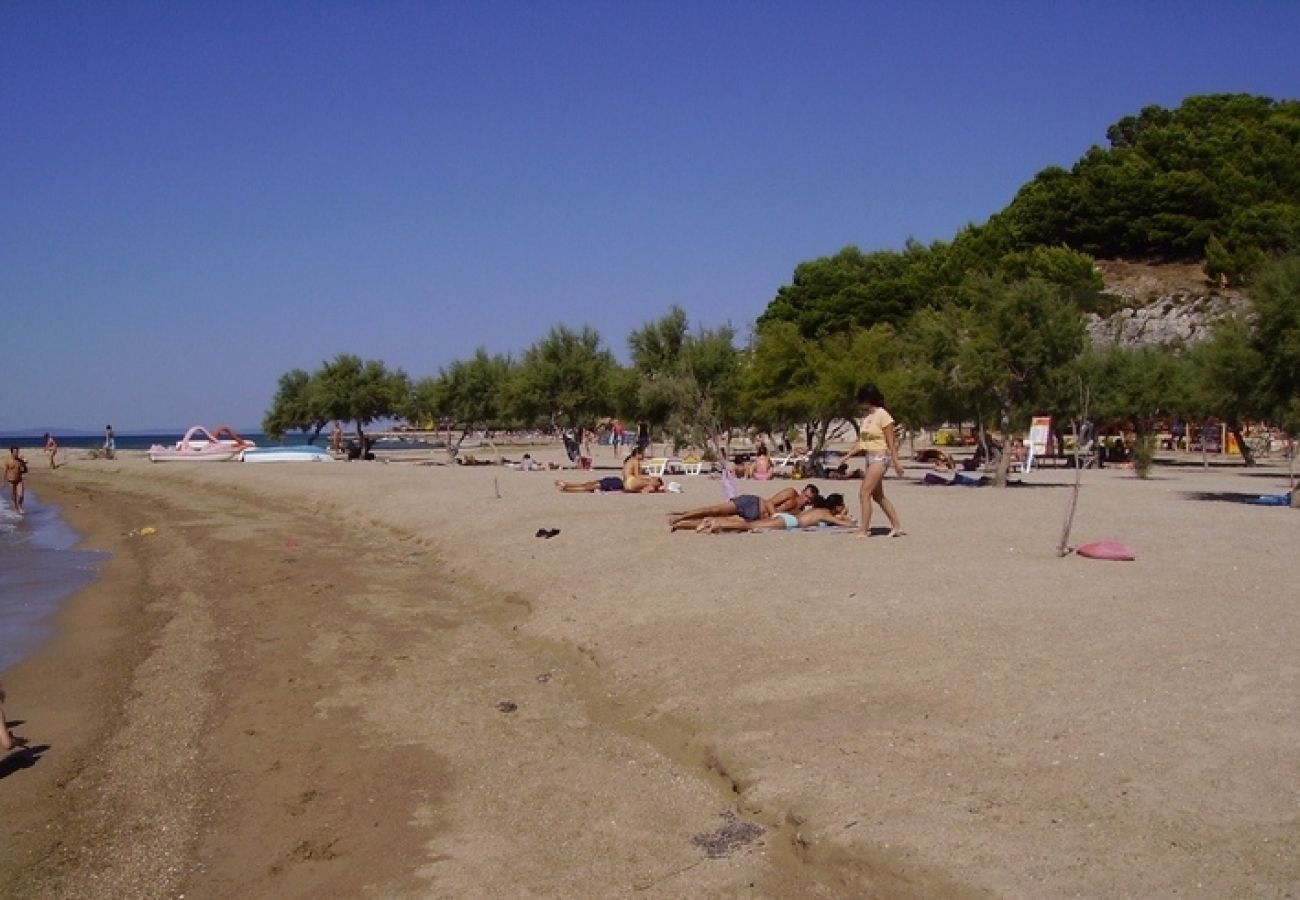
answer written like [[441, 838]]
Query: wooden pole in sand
[[1062, 547], [1295, 499]]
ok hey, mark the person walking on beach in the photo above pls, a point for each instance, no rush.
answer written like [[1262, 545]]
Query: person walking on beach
[[878, 441], [51, 448], [15, 469], [336, 439], [110, 442], [8, 740]]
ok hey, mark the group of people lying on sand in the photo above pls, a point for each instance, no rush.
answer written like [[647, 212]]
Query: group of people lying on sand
[[787, 509]]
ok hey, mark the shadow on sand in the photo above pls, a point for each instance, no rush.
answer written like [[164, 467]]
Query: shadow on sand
[[23, 758]]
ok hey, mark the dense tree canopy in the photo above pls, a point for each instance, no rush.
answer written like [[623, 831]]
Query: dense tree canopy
[[1224, 167], [1277, 340], [566, 377], [346, 388], [293, 408], [685, 383]]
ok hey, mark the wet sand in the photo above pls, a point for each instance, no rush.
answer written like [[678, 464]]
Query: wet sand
[[374, 679]]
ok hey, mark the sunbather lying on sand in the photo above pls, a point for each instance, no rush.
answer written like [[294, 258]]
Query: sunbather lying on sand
[[612, 484], [748, 507], [789, 500], [528, 464], [940, 459], [830, 511], [469, 459]]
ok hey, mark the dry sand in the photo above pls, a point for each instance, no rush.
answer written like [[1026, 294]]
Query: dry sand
[[374, 680]]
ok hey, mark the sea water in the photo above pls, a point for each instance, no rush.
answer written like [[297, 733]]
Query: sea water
[[39, 569]]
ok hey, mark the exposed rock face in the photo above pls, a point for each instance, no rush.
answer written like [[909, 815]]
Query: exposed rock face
[[1173, 320], [1162, 305]]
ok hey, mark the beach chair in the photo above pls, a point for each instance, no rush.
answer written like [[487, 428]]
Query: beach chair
[[655, 466]]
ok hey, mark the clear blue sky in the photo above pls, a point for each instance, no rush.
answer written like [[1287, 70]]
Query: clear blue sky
[[198, 197]]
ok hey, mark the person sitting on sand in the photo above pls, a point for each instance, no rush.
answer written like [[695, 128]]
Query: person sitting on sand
[[634, 480], [760, 468], [611, 484], [830, 511]]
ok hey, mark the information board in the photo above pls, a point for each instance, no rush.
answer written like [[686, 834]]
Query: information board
[[1040, 432]]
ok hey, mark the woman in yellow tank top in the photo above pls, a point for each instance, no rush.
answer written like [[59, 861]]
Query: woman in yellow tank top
[[879, 443]]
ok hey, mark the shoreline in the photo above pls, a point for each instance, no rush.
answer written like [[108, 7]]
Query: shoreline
[[697, 678]]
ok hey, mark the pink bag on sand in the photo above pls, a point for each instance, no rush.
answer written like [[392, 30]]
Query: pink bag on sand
[[1107, 550]]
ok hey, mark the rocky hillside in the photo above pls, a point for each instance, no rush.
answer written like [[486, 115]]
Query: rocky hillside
[[1169, 305]]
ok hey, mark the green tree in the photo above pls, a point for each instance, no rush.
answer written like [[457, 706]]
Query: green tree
[[1140, 386], [1227, 372], [1277, 338], [1074, 273], [1014, 336], [1221, 168], [293, 408], [793, 381], [687, 383], [780, 385], [423, 401], [656, 348], [360, 391], [471, 393], [852, 289], [566, 377]]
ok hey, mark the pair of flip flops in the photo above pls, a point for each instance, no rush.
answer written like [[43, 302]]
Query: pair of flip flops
[[547, 532]]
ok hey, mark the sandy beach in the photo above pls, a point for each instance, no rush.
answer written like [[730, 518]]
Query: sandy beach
[[370, 679]]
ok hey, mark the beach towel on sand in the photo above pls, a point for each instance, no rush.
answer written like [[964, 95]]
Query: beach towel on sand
[[958, 479], [1272, 500], [819, 528]]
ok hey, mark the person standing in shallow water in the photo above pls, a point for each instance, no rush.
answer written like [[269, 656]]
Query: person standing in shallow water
[[14, 470], [879, 443]]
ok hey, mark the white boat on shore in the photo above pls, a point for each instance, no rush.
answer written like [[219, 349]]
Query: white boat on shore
[[201, 445], [301, 453]]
